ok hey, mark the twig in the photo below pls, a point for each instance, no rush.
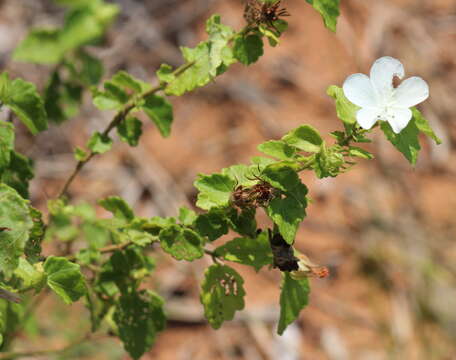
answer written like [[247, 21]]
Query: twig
[[120, 116]]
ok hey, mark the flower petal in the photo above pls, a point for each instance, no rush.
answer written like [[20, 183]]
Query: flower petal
[[381, 75], [367, 117], [399, 118], [358, 89], [411, 91]]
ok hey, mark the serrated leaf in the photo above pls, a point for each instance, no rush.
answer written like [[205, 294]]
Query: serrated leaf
[[278, 149], [243, 222], [282, 176], [129, 82], [293, 298], [23, 98], [329, 10], [15, 217], [160, 111], [165, 73], [222, 294], [130, 130], [346, 111], [305, 138], [406, 141], [18, 173], [64, 278], [219, 37], [197, 75], [29, 277], [32, 248], [139, 317], [118, 207], [255, 252], [186, 216], [248, 49], [423, 125], [99, 143], [112, 98], [6, 143], [181, 243], [212, 224], [215, 190]]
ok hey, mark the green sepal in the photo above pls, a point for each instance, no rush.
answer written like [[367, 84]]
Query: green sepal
[[406, 141], [423, 125]]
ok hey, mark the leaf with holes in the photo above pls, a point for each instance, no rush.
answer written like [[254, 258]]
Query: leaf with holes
[[293, 298], [222, 294], [139, 317]]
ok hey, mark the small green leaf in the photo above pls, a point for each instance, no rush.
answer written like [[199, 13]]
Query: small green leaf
[[118, 207], [32, 248], [329, 10], [113, 98], [305, 138], [293, 298], [328, 162], [80, 154], [278, 149], [23, 98], [243, 222], [181, 243], [255, 252], [282, 177], [139, 317], [423, 125], [41, 46], [91, 68], [215, 190], [129, 82], [359, 152], [248, 49], [99, 143], [130, 130], [406, 141], [15, 217], [222, 294], [212, 224], [160, 111], [65, 278], [18, 173], [165, 73], [346, 111], [6, 143], [29, 277], [186, 216]]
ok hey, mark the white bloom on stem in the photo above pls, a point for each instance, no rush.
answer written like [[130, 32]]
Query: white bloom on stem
[[379, 99]]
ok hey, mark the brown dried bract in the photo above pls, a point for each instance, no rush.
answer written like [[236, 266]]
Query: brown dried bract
[[258, 195], [257, 12]]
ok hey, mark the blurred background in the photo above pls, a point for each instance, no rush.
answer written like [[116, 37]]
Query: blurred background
[[385, 230]]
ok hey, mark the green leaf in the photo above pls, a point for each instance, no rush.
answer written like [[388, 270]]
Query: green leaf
[[346, 111], [215, 190], [219, 37], [293, 298], [112, 98], [212, 224], [243, 222], [29, 277], [181, 243], [41, 46], [128, 82], [32, 248], [329, 10], [99, 143], [248, 49], [423, 125], [305, 138], [80, 154], [197, 75], [130, 130], [23, 98], [65, 278], [186, 216], [15, 217], [283, 177], [222, 293], [406, 141], [91, 68], [6, 143], [118, 207], [255, 252], [139, 317], [278, 149], [18, 174], [160, 112], [328, 162], [359, 152], [165, 73]]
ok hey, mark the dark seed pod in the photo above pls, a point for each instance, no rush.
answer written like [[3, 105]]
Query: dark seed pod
[[283, 255], [257, 12]]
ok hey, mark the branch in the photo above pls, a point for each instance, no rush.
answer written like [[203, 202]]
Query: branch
[[120, 116]]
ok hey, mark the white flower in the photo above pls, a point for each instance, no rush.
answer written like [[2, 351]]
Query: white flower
[[379, 100]]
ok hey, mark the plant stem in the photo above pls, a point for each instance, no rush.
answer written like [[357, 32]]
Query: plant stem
[[120, 116]]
